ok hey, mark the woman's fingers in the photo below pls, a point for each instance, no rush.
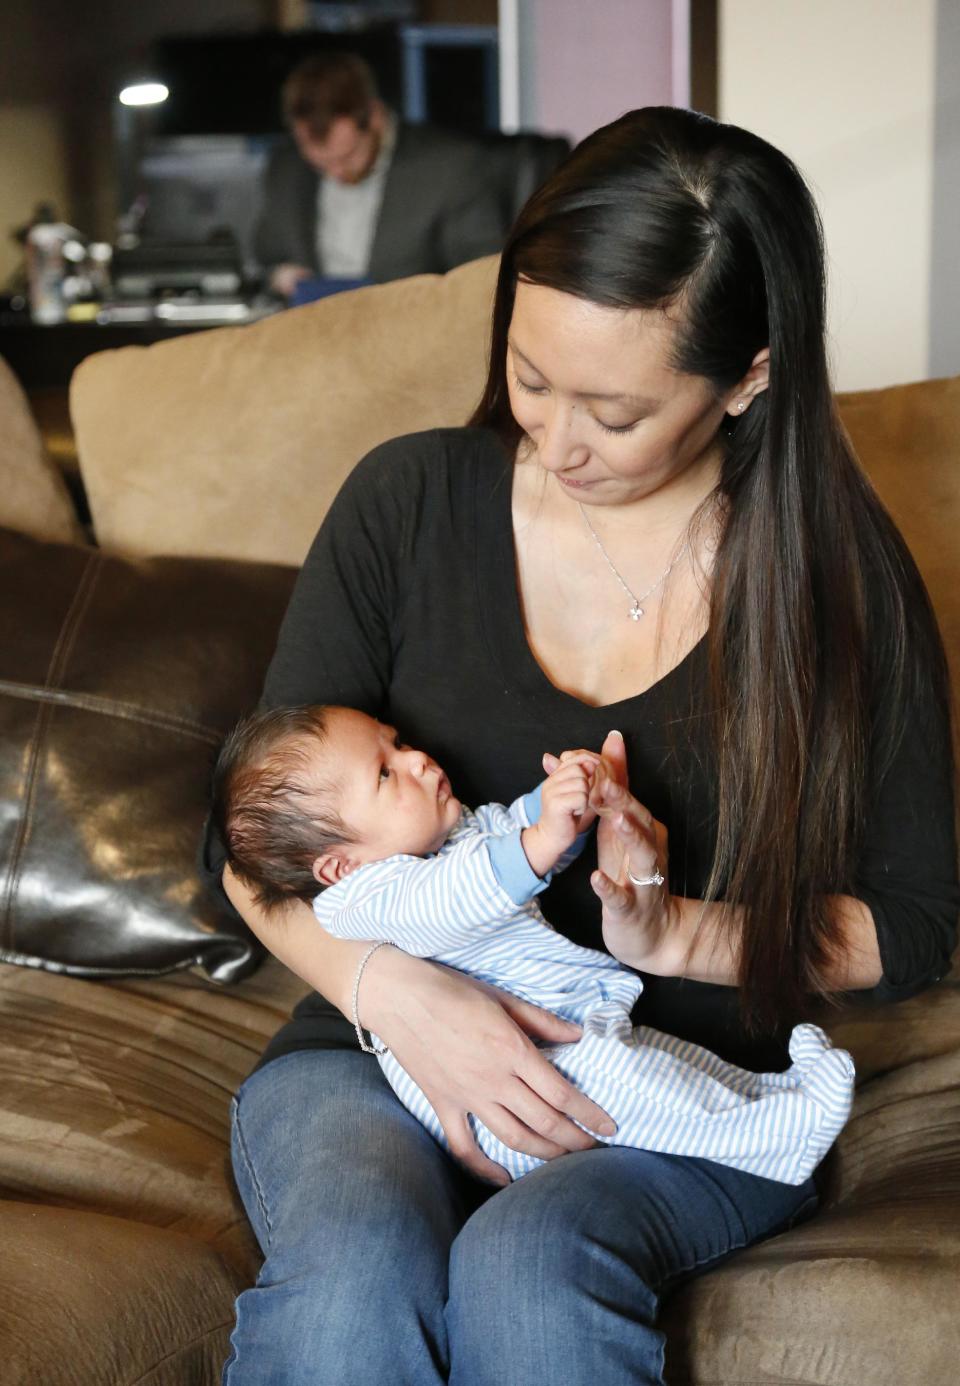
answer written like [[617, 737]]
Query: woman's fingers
[[463, 1146], [626, 850], [614, 753], [546, 1095], [628, 829], [630, 836], [529, 1125], [545, 1124], [551, 1106], [520, 1135], [535, 1021], [640, 845], [468, 1047], [613, 896], [610, 797], [580, 757], [616, 898], [662, 838], [588, 759]]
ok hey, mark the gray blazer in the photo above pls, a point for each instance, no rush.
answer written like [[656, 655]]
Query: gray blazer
[[443, 204]]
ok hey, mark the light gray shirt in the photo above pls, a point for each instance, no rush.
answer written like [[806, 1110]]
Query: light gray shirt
[[347, 215]]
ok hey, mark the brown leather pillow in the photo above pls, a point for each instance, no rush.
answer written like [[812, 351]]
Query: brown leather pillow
[[117, 680]]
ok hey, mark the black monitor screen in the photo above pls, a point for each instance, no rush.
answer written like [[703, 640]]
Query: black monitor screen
[[230, 84]]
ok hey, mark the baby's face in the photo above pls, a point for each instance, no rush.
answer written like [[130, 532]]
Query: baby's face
[[396, 799]]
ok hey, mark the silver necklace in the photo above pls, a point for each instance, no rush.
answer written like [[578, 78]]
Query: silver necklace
[[636, 610]]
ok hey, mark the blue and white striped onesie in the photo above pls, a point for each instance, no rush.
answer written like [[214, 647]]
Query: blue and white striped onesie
[[472, 907]]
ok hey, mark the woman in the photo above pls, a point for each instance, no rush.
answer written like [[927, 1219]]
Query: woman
[[655, 525]]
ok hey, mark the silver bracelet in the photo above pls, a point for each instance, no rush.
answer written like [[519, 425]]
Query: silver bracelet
[[367, 1048]]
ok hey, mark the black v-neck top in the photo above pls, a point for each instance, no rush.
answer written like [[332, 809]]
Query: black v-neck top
[[407, 607]]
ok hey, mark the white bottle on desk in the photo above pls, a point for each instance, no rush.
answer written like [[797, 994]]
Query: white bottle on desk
[[47, 269]]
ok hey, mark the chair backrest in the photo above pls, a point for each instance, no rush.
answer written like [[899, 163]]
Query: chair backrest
[[521, 162]]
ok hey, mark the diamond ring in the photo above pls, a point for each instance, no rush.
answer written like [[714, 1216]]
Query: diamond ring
[[656, 879]]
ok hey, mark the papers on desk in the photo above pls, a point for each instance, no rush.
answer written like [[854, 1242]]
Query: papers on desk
[[171, 311], [212, 313]]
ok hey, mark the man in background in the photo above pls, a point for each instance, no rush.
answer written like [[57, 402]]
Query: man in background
[[358, 195]]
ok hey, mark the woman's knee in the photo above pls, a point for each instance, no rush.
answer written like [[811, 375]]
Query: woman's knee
[[543, 1288], [583, 1249], [355, 1208], [325, 1154], [320, 1330], [654, 1218], [559, 1227]]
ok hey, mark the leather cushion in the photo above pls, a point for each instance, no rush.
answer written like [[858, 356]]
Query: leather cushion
[[115, 1096], [117, 680]]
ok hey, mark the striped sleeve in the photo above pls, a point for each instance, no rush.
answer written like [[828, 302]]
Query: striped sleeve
[[426, 906], [495, 818]]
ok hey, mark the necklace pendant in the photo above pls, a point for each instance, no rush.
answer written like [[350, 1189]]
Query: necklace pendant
[[636, 611]]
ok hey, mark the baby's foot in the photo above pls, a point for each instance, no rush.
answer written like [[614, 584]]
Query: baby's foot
[[823, 1073]]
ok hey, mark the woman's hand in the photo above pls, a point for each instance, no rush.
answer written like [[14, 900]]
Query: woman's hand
[[637, 919], [467, 1046]]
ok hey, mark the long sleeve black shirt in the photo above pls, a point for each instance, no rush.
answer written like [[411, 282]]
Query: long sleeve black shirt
[[407, 608]]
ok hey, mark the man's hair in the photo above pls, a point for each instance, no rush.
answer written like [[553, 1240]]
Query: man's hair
[[327, 86], [272, 815]]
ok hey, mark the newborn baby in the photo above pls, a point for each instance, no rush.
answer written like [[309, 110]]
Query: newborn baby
[[327, 805]]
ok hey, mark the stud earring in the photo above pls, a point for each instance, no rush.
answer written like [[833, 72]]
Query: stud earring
[[741, 405]]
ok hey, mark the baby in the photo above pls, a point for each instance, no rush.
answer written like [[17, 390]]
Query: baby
[[327, 805]]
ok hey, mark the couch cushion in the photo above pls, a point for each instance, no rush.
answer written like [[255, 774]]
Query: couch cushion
[[816, 1304], [857, 1297], [113, 696], [234, 442], [33, 495], [115, 1097], [88, 1300]]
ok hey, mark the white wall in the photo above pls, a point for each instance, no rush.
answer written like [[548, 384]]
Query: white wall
[[25, 182], [863, 94], [848, 91]]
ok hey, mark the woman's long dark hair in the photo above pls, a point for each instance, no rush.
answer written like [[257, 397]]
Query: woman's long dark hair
[[664, 208]]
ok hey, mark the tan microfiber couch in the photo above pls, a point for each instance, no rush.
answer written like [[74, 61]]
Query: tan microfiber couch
[[35, 499], [124, 1244]]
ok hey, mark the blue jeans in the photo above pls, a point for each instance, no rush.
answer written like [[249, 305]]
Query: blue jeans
[[386, 1263]]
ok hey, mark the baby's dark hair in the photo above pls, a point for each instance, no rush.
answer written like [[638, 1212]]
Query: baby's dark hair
[[272, 819]]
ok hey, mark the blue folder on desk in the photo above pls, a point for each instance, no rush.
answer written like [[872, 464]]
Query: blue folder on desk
[[309, 290]]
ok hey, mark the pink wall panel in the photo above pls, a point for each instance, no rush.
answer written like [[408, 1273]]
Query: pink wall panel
[[595, 59]]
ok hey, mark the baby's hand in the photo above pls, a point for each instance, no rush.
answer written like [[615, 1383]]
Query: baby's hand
[[560, 796], [565, 810]]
